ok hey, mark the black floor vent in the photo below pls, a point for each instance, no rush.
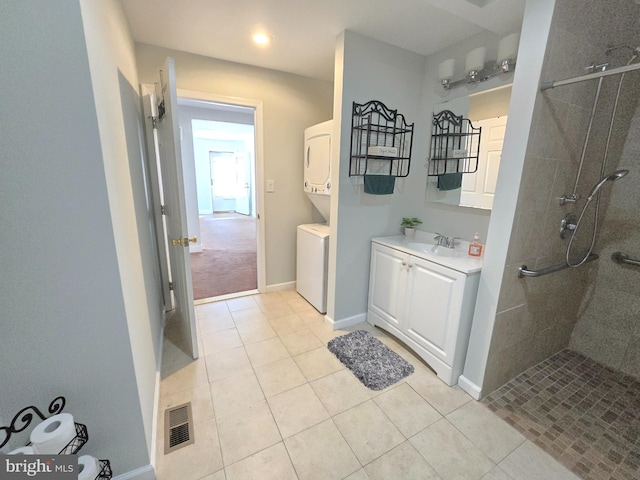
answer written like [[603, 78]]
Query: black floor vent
[[178, 427]]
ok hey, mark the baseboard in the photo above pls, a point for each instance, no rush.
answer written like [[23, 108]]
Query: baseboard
[[345, 322], [143, 473], [468, 386], [278, 287]]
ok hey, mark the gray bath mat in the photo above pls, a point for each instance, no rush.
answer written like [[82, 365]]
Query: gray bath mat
[[375, 364]]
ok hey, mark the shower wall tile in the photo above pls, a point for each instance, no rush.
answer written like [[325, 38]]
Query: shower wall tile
[[511, 326], [512, 292], [536, 316], [503, 367], [537, 185], [528, 239], [602, 344], [631, 358]]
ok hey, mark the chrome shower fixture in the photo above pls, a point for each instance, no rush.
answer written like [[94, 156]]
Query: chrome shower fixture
[[613, 176], [611, 48]]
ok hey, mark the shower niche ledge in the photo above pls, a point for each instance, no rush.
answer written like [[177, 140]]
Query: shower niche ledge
[[425, 297]]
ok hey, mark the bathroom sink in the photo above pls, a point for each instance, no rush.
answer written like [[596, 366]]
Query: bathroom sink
[[441, 251], [437, 250]]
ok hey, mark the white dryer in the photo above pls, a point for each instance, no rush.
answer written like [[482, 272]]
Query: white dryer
[[311, 265], [317, 166]]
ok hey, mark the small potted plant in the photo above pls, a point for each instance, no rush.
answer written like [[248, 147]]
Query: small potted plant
[[409, 225]]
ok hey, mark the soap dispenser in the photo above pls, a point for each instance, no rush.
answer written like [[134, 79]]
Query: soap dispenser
[[475, 247]]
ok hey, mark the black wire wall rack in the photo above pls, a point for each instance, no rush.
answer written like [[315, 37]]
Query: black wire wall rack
[[455, 144], [381, 141], [23, 419]]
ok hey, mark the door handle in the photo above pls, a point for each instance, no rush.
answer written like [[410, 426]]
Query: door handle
[[183, 241]]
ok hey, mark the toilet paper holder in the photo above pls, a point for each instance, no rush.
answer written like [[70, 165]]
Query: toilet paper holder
[[27, 415]]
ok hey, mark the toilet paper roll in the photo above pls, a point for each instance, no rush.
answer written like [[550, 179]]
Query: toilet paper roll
[[88, 467], [23, 451], [52, 435]]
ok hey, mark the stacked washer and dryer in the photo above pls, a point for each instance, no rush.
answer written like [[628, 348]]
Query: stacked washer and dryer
[[313, 239]]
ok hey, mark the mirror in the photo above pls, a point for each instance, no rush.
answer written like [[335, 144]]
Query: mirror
[[488, 110]]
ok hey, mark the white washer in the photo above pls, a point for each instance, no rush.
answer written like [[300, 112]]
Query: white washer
[[311, 268]]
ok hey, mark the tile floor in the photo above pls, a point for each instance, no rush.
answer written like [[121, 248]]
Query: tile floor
[[583, 413], [271, 402]]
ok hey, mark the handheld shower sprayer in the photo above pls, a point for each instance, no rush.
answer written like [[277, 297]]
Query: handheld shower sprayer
[[613, 176]]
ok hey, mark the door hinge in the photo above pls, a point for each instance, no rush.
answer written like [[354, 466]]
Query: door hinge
[[170, 285], [154, 122], [163, 211]]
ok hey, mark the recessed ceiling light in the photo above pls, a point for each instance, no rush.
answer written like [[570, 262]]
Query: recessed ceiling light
[[261, 38]]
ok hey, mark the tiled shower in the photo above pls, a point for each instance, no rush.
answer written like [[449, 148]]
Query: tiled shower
[[593, 310]]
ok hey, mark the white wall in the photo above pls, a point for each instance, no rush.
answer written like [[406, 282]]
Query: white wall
[[65, 325], [120, 122], [291, 104], [195, 158]]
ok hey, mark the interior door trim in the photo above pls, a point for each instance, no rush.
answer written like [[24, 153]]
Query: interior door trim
[[257, 105]]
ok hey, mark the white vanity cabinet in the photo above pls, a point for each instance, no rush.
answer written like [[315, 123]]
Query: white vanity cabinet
[[419, 298]]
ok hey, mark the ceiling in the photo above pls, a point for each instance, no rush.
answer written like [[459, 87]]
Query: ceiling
[[304, 31]]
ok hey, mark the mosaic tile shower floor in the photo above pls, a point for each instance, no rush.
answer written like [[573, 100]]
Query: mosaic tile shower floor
[[585, 415]]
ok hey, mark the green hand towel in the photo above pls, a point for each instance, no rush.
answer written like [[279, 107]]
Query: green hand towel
[[449, 181], [379, 184]]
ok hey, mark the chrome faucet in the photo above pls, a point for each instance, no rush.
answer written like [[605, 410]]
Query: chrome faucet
[[442, 240]]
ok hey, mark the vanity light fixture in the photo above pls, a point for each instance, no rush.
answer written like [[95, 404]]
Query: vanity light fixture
[[477, 69]]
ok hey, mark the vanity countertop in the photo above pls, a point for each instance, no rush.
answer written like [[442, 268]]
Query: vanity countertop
[[422, 245]]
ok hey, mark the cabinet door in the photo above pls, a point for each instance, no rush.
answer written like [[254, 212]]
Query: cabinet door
[[434, 302], [387, 284]]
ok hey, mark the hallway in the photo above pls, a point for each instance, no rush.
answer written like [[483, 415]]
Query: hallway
[[271, 402]]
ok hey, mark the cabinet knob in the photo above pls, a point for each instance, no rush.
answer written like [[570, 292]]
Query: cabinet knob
[[410, 266], [404, 264]]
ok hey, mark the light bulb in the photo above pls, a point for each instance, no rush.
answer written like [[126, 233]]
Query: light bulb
[[475, 60], [445, 69]]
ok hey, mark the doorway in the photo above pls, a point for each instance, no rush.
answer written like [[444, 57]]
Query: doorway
[[221, 163]]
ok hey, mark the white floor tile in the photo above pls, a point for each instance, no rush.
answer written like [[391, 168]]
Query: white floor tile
[[296, 410], [272, 463], [528, 462], [247, 432], [450, 453], [368, 431], [486, 430], [321, 453]]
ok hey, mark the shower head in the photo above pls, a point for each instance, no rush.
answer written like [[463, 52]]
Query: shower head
[[612, 176]]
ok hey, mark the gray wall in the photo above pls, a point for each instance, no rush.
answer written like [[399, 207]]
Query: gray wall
[[368, 69], [65, 329], [291, 103]]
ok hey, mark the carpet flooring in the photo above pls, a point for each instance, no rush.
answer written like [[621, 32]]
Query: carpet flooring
[[227, 263], [370, 360]]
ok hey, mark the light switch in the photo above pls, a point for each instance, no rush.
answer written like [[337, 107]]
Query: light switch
[[271, 186]]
